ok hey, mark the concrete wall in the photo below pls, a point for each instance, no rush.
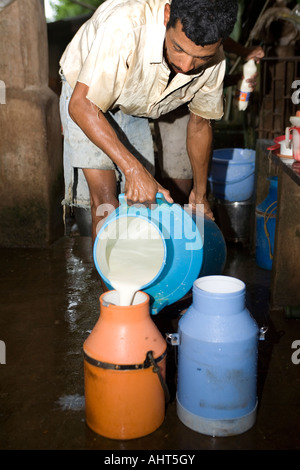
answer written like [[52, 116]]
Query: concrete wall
[[31, 173]]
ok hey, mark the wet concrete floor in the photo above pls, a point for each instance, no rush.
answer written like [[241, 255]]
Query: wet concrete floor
[[50, 303]]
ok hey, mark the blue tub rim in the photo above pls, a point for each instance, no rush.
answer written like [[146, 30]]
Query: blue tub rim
[[114, 218]]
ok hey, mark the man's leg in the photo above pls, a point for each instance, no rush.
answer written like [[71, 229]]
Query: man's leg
[[103, 195], [179, 188], [103, 199], [174, 168]]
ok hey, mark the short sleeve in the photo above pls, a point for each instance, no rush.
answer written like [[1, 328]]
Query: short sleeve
[[100, 53]]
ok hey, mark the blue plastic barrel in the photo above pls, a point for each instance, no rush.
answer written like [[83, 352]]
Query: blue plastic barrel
[[217, 359], [232, 174], [194, 246], [265, 216]]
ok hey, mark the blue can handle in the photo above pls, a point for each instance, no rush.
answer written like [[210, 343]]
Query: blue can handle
[[122, 199], [233, 181]]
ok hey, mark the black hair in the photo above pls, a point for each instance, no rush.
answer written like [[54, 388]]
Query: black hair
[[204, 21]]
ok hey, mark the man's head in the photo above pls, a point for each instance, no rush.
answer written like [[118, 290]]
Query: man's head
[[195, 30], [203, 21]]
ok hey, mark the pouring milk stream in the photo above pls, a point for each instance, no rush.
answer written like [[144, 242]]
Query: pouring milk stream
[[134, 257]]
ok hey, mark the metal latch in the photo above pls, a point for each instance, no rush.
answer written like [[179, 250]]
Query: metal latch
[[262, 332], [173, 339]]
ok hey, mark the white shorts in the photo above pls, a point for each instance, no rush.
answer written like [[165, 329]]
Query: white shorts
[[173, 159], [80, 152]]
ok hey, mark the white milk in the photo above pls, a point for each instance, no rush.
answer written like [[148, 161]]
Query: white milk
[[134, 257]]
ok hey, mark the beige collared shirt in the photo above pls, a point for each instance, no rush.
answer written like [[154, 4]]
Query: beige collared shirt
[[118, 54]]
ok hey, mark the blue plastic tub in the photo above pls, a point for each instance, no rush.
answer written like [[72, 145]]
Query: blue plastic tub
[[231, 176], [194, 246]]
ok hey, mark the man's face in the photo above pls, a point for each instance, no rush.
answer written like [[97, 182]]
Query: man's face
[[182, 55]]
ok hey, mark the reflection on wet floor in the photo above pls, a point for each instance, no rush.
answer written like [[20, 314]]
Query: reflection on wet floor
[[50, 303]]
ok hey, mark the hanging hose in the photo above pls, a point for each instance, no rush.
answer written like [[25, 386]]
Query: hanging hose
[[267, 216]]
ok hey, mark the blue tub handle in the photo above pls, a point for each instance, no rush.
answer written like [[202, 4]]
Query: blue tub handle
[[122, 199], [238, 180]]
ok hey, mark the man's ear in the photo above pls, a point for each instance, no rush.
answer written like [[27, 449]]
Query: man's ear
[[167, 14]]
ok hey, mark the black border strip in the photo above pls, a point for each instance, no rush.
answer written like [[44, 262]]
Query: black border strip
[[107, 365]]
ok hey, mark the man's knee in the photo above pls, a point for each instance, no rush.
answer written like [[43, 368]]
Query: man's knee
[[102, 187], [102, 206]]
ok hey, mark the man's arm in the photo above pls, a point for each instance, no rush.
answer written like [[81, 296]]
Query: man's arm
[[246, 53], [199, 145], [140, 186]]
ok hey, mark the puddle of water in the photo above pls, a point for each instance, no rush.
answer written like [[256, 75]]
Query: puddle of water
[[71, 402]]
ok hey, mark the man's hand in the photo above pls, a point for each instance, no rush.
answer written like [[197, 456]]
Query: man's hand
[[252, 81], [199, 144], [255, 52], [141, 187]]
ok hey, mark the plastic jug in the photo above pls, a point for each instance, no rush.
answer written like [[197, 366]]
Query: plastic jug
[[296, 143], [191, 246], [244, 90]]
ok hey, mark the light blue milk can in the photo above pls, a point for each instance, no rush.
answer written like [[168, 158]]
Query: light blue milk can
[[217, 359], [193, 247]]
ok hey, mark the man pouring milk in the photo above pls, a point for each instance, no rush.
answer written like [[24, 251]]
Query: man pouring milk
[[132, 61]]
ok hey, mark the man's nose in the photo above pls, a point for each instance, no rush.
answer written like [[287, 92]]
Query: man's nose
[[187, 64]]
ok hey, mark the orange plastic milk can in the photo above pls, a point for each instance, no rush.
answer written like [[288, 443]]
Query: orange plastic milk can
[[124, 370]]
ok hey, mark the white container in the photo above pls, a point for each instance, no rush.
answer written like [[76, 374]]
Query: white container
[[244, 89]]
